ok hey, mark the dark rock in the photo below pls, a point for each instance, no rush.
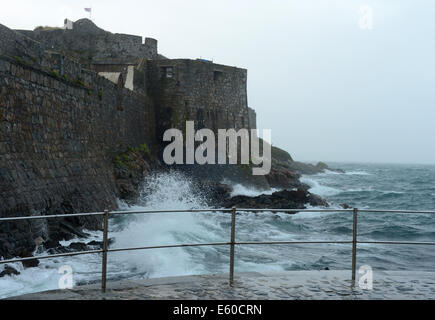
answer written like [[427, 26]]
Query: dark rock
[[282, 177], [99, 244], [215, 193], [130, 169], [8, 271], [59, 249], [284, 199], [65, 229], [95, 243], [214, 173], [31, 263], [50, 243], [223, 189], [345, 206], [78, 246], [323, 166], [307, 168], [317, 201]]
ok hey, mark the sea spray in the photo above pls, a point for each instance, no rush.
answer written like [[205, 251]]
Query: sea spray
[[317, 188]]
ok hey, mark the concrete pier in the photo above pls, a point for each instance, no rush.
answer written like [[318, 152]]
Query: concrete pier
[[289, 285]]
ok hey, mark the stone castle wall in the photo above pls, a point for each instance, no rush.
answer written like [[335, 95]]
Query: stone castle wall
[[252, 118], [57, 142], [90, 44], [212, 95], [17, 45], [61, 124]]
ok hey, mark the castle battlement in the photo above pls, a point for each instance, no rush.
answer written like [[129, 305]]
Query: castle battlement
[[90, 44]]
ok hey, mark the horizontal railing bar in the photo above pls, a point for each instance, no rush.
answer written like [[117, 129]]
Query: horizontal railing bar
[[399, 242], [211, 244], [51, 256], [221, 244], [295, 210], [170, 246], [290, 242], [52, 216], [168, 211], [211, 210], [395, 211]]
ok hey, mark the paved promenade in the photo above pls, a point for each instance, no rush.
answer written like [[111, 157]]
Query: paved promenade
[[288, 285]]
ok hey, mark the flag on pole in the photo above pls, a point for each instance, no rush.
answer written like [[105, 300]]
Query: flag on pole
[[90, 12]]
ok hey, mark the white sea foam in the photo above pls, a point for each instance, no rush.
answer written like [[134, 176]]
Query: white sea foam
[[240, 190], [367, 189], [349, 173], [326, 171], [161, 192], [391, 192], [357, 173], [317, 188]]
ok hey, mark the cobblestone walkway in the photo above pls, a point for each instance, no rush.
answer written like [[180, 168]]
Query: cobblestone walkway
[[288, 285]]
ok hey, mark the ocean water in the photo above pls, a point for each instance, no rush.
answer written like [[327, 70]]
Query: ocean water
[[363, 186]]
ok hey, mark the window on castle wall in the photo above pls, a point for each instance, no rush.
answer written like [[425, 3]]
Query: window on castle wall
[[169, 72]]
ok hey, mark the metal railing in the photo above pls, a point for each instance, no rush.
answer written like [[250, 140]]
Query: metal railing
[[232, 243]]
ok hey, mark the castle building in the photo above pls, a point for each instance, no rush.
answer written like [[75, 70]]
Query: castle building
[[73, 98], [212, 95]]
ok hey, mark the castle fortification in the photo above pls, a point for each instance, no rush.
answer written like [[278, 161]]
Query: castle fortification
[[72, 99]]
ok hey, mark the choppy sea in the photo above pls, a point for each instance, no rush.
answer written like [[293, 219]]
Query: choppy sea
[[374, 186]]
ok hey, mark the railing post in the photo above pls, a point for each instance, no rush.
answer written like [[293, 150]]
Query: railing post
[[104, 266], [355, 212], [233, 239]]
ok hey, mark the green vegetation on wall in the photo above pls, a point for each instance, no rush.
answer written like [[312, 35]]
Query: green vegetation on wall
[[125, 160]]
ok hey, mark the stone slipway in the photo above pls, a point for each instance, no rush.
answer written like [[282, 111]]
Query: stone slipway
[[287, 285]]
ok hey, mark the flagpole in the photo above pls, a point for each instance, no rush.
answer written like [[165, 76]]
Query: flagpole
[[90, 12]]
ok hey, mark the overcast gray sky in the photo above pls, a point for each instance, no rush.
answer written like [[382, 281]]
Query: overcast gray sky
[[329, 87]]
